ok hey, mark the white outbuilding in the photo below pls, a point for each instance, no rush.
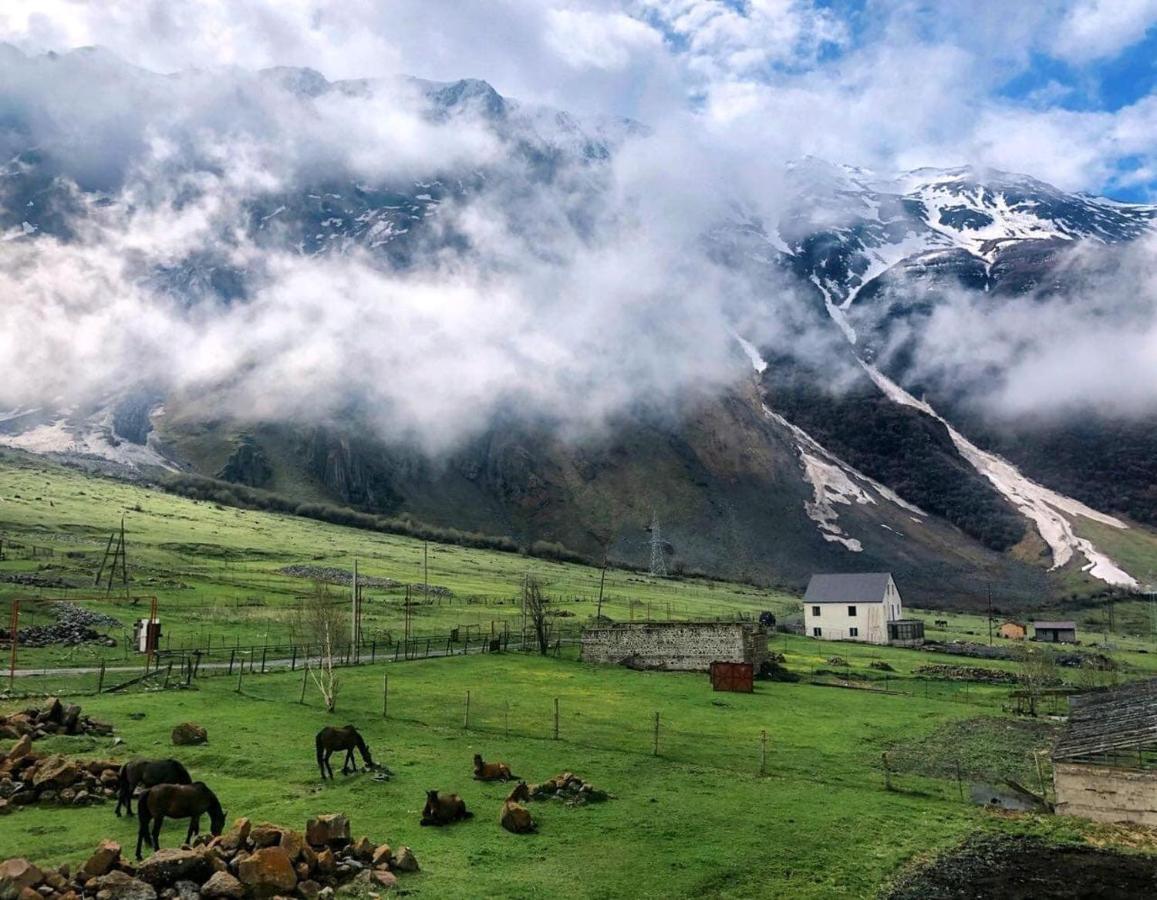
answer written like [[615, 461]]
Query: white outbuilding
[[858, 606]]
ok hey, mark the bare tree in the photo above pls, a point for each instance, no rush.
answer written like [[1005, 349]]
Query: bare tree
[[322, 624], [537, 608], [1038, 671]]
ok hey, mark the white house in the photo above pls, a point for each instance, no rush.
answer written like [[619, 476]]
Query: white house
[[858, 606]]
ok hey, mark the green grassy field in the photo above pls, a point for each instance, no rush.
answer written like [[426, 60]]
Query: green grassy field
[[696, 820]]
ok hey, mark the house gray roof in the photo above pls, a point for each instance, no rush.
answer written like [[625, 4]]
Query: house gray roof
[[1120, 719], [853, 587], [1061, 626]]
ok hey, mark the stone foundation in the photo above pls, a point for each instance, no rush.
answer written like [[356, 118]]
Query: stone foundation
[[675, 646]]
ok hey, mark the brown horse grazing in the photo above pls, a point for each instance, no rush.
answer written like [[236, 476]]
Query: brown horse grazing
[[444, 809], [330, 739], [146, 773], [515, 817], [496, 771], [177, 801]]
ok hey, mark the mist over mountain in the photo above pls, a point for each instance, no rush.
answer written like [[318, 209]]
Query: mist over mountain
[[428, 299]]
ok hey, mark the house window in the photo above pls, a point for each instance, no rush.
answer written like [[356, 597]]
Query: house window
[[854, 632], [815, 610], [817, 632], [851, 610]]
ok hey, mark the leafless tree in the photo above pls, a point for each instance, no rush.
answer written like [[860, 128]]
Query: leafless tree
[[322, 624], [537, 608], [1037, 671]]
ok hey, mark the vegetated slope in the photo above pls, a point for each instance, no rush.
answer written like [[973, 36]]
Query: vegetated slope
[[868, 259]]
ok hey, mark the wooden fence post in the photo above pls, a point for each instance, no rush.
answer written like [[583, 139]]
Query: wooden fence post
[[656, 747], [385, 696], [240, 672], [466, 720], [293, 660], [263, 649], [100, 680], [232, 654], [304, 680], [763, 752], [887, 773], [373, 651], [556, 718]]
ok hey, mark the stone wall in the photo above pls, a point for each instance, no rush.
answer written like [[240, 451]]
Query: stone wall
[[1106, 793], [677, 646]]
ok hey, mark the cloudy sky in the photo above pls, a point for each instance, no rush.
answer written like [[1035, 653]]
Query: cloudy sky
[[1064, 89]]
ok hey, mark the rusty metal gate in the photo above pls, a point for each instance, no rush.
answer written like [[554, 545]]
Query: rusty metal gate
[[735, 677]]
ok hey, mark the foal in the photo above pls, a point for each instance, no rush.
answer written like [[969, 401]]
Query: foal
[[495, 771], [177, 801], [515, 817], [444, 809]]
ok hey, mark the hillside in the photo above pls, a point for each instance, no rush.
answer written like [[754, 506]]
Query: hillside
[[496, 340]]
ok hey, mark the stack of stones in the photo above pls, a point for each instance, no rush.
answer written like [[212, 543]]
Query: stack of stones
[[74, 625], [52, 718], [28, 778], [248, 862], [569, 788]]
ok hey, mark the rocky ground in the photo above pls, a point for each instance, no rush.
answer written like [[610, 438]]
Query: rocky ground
[[73, 626], [1022, 868], [28, 778], [568, 788], [247, 861]]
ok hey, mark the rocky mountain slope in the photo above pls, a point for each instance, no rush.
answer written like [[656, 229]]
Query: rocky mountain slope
[[853, 440]]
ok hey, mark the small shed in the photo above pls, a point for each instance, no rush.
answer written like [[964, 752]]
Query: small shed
[[1013, 630], [1105, 761], [1055, 632]]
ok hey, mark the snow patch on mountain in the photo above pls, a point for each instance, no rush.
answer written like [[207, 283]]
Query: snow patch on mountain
[[1044, 507], [834, 482]]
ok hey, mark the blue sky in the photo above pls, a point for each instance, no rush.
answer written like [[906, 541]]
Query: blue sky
[[1065, 90]]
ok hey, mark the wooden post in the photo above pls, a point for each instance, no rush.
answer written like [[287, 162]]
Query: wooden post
[[385, 696], [100, 679], [887, 773], [556, 718], [12, 637], [373, 651], [656, 747], [466, 720], [304, 680], [263, 649], [232, 656], [240, 673], [763, 752], [293, 659]]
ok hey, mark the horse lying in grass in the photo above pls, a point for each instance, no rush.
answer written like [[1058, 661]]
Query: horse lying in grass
[[495, 771], [330, 739], [146, 773], [177, 801], [444, 809], [515, 817]]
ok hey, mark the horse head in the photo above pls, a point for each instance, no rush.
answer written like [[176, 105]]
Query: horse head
[[217, 821], [520, 792]]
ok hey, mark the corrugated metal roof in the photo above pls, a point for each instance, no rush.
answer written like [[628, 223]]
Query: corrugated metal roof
[[852, 587], [1063, 626], [1119, 719]]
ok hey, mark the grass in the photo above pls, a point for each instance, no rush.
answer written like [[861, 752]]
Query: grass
[[697, 820]]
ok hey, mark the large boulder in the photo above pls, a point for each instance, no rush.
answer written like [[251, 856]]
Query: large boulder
[[17, 875], [267, 872], [330, 830], [55, 772], [118, 885], [166, 867], [222, 884], [188, 733], [107, 855]]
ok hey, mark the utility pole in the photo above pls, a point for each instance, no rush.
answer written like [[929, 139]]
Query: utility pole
[[425, 570], [356, 612], [602, 581], [658, 558]]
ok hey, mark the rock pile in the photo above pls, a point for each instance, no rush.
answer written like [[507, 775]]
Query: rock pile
[[568, 788], [330, 575], [52, 718], [258, 862], [74, 625], [28, 778], [966, 673], [189, 733]]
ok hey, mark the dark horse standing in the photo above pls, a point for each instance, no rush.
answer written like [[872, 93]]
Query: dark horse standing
[[146, 773], [330, 739], [177, 801]]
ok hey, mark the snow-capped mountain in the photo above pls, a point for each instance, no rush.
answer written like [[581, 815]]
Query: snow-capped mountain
[[843, 446]]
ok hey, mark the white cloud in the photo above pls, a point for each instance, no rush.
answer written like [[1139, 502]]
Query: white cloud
[[1094, 29]]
